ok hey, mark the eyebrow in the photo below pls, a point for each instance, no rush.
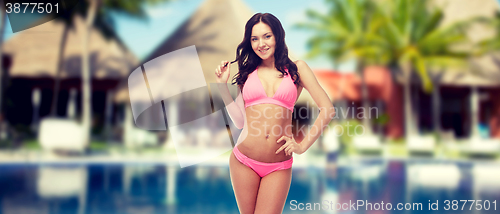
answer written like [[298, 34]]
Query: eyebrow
[[263, 35]]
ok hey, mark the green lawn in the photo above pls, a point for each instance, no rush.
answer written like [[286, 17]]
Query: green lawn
[[33, 144], [393, 149]]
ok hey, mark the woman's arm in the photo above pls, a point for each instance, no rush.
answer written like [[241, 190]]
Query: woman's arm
[[235, 109], [327, 112]]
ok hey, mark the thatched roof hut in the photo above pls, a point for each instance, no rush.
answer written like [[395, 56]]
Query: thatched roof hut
[[35, 53], [215, 28]]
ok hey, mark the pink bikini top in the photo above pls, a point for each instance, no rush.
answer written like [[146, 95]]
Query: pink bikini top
[[254, 93]]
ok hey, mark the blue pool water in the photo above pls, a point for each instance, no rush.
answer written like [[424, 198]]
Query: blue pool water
[[154, 188]]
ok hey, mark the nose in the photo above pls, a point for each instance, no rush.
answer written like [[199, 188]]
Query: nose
[[261, 43]]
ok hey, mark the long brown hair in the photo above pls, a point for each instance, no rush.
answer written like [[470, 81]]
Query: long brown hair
[[248, 60]]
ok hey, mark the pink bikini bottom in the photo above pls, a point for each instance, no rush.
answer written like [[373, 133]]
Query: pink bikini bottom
[[262, 169]]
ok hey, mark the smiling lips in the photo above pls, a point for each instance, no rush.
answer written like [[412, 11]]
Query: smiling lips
[[264, 51]]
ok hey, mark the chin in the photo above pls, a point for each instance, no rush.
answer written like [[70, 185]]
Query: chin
[[265, 57]]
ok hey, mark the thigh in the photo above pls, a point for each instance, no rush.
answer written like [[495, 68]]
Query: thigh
[[273, 191], [245, 185]]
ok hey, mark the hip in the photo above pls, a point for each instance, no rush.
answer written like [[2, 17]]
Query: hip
[[263, 150]]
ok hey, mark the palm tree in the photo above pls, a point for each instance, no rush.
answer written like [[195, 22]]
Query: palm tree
[[348, 31], [417, 42], [491, 44], [404, 34], [67, 18], [3, 16], [98, 10]]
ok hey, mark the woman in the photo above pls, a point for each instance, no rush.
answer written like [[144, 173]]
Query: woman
[[260, 164]]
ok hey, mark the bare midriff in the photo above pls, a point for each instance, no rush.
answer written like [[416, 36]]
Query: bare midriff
[[266, 123]]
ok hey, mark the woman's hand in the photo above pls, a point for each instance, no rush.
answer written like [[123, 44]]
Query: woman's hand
[[222, 73], [290, 146]]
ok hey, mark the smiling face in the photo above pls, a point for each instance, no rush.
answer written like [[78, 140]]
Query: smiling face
[[262, 40]]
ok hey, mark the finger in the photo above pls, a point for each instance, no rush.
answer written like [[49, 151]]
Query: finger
[[292, 149], [280, 139], [287, 150], [283, 138], [286, 145], [280, 149]]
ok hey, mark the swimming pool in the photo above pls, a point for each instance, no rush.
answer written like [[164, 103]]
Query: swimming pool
[[158, 188]]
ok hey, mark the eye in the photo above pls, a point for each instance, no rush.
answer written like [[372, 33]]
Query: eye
[[253, 39], [268, 36]]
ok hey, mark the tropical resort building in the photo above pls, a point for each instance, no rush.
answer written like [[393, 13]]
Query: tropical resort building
[[44, 74], [464, 102]]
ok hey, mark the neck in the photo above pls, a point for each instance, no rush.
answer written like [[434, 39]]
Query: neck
[[268, 63]]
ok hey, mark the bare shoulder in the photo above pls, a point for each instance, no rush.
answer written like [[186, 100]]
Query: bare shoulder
[[310, 83], [300, 63], [304, 71], [302, 67]]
